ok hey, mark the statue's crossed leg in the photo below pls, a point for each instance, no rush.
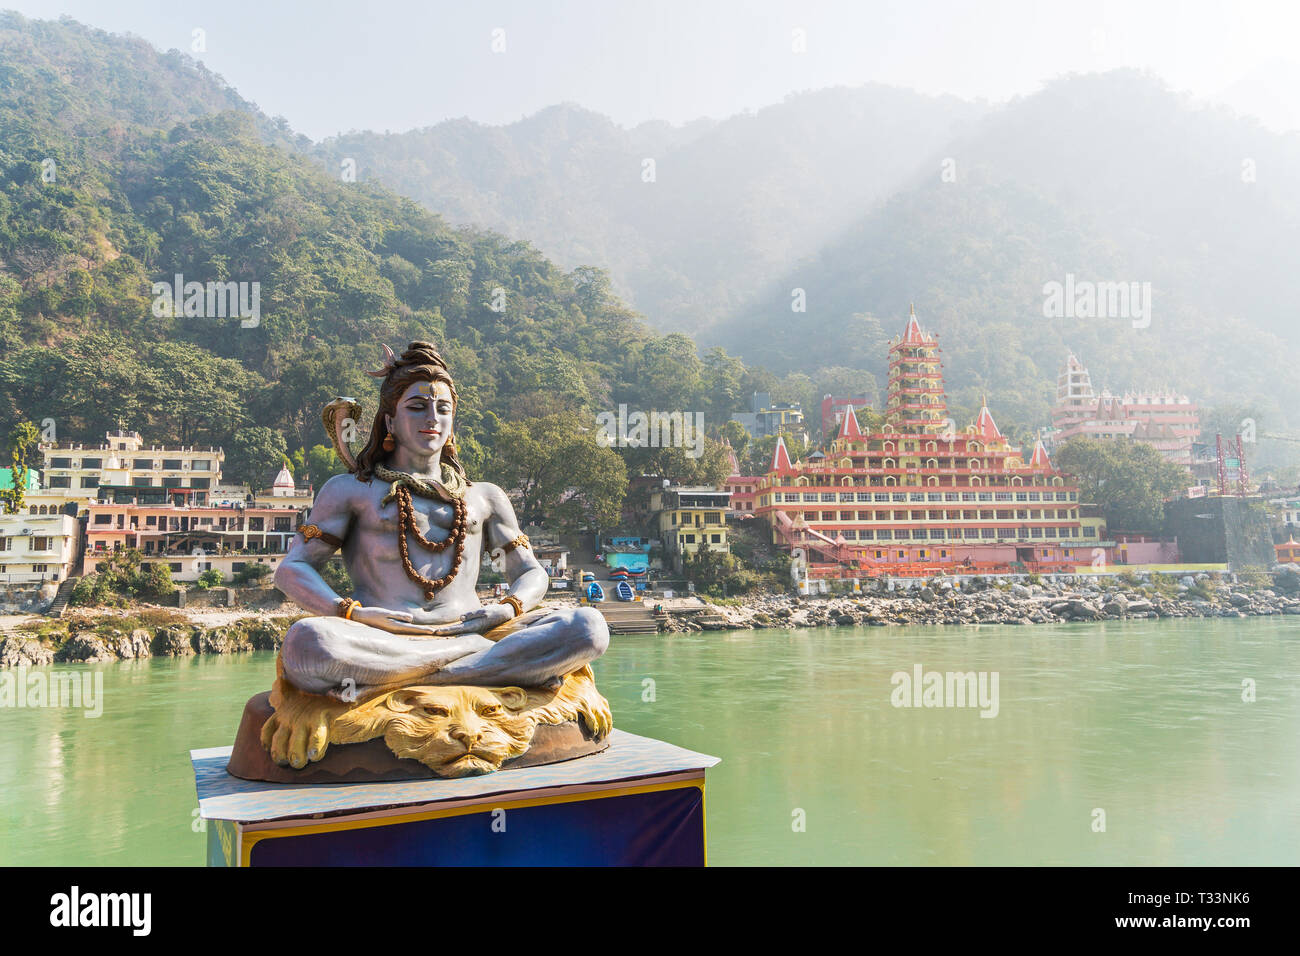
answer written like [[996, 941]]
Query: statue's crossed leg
[[347, 660], [330, 665]]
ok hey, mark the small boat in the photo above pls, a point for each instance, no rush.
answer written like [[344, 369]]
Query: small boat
[[595, 593], [617, 574], [588, 577], [624, 591], [637, 570]]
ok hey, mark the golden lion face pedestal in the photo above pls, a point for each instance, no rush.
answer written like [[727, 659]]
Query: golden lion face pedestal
[[417, 732]]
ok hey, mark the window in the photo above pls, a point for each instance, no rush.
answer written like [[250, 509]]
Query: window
[[828, 516], [103, 519], [171, 482], [175, 565], [986, 496], [884, 535], [828, 496], [200, 482], [1033, 496], [848, 516], [171, 464], [89, 481], [863, 496], [688, 538], [715, 538], [282, 524], [40, 544], [142, 464], [201, 464], [256, 524], [1023, 496], [968, 496], [61, 463], [60, 481], [92, 463], [141, 482]]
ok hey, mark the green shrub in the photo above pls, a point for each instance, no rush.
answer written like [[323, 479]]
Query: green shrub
[[209, 579], [251, 573], [337, 577]]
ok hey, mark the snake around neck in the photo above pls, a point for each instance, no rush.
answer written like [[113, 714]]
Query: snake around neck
[[450, 490]]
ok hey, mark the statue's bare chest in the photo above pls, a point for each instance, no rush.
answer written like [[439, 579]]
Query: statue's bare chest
[[432, 518]]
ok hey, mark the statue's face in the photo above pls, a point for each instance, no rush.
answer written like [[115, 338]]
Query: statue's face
[[422, 420]]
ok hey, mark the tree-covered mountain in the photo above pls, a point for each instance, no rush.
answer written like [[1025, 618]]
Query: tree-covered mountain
[[97, 204]]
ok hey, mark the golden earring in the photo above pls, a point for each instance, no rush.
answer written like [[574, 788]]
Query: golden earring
[[388, 442]]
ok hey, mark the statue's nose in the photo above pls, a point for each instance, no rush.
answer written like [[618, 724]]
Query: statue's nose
[[465, 735]]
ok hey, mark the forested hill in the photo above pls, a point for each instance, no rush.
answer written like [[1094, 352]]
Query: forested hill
[[113, 177], [689, 220]]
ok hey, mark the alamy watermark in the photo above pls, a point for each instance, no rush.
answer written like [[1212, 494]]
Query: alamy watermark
[[1084, 299], [209, 300], [83, 690], [923, 688], [653, 430]]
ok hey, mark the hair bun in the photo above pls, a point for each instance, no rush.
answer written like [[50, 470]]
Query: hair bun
[[422, 353]]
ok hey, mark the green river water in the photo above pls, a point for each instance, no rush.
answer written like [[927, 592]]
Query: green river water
[[1143, 720]]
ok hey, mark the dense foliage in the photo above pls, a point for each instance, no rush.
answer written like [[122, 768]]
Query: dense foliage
[[101, 197], [1129, 480]]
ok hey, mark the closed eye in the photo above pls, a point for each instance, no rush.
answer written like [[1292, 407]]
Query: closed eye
[[434, 710]]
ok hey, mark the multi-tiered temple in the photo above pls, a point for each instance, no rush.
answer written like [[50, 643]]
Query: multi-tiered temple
[[921, 492]]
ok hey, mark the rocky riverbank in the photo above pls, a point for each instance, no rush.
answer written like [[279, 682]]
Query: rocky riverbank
[[109, 635], [151, 632], [990, 601]]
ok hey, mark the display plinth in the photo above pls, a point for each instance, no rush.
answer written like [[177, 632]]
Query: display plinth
[[638, 803]]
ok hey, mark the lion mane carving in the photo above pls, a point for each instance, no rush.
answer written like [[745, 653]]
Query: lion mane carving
[[455, 731]]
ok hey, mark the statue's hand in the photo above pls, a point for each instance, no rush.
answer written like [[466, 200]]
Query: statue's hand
[[395, 622], [477, 622]]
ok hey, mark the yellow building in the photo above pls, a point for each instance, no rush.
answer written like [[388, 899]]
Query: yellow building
[[690, 518]]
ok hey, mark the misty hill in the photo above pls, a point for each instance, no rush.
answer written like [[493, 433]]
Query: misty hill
[[121, 168], [1111, 178], [731, 201]]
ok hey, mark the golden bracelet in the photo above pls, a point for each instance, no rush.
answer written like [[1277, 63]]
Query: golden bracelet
[[346, 606], [514, 602], [310, 532], [518, 541]]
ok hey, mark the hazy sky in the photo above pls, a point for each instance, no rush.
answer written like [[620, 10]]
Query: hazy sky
[[333, 66]]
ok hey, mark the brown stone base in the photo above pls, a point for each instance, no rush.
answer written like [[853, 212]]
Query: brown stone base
[[372, 761]]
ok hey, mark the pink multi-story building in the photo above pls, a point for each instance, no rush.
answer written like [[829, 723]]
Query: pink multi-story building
[[1166, 420]]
